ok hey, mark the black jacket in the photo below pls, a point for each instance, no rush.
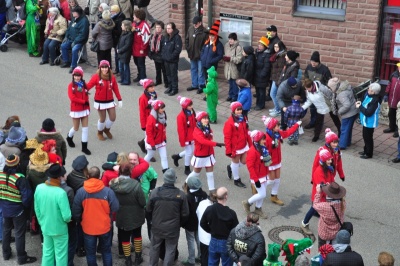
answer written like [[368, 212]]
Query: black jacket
[[247, 71], [285, 94], [262, 69], [125, 47], [346, 258], [321, 73], [247, 241], [156, 56], [194, 41], [194, 199], [289, 70], [172, 47], [117, 30], [75, 180]]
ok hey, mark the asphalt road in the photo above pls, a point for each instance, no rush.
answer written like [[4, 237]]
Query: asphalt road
[[36, 92]]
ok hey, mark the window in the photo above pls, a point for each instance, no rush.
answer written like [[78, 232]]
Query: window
[[324, 9]]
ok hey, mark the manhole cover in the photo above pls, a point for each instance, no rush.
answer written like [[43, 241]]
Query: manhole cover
[[274, 233]]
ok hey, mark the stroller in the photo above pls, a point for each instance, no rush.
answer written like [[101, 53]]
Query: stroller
[[360, 89], [15, 30]]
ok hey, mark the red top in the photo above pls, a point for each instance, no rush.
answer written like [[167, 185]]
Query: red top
[[139, 169], [141, 39], [144, 109], [104, 89], [318, 177], [336, 162], [65, 8], [255, 165], [78, 98], [235, 136], [109, 175], [203, 144], [185, 126], [156, 132], [276, 154]]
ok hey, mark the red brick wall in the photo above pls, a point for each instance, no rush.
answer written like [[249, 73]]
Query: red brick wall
[[177, 15], [347, 48]]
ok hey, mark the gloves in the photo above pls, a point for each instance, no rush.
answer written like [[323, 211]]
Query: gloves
[[143, 128], [153, 148], [342, 179], [220, 144], [120, 104], [299, 123], [86, 103], [385, 98], [258, 184]]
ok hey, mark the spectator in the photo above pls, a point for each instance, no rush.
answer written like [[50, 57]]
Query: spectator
[[118, 17], [156, 41], [94, 10], [247, 234], [286, 91], [343, 254], [393, 98], [385, 259], [114, 161], [11, 121], [262, 73], [125, 7], [278, 62], [72, 4], [291, 68], [233, 58], [76, 37], [124, 52], [56, 26], [272, 35], [15, 140], [244, 97], [247, 70], [53, 213], [79, 173], [102, 33], [29, 148], [218, 220], [95, 220], [169, 209], [369, 117], [397, 159], [141, 37], [171, 49], [196, 36]]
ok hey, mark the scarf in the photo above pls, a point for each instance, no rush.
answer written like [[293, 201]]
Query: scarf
[[155, 43], [313, 88], [161, 118], [276, 55], [53, 182], [265, 157], [238, 118], [51, 24], [151, 95], [80, 85], [329, 167], [206, 129], [334, 106], [275, 136], [340, 248]]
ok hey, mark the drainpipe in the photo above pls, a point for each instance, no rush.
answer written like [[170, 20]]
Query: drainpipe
[[209, 13]]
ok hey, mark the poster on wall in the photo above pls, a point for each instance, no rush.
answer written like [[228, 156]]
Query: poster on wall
[[394, 3], [241, 25], [395, 42]]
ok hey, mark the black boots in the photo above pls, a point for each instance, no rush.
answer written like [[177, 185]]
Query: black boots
[[239, 183], [85, 149], [176, 158], [142, 146], [70, 141], [187, 170], [128, 261], [138, 258], [164, 170]]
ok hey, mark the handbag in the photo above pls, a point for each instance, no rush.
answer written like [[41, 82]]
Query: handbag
[[348, 226], [95, 47]]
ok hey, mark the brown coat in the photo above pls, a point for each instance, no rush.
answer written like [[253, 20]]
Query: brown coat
[[235, 53]]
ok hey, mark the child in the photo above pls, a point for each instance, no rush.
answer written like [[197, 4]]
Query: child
[[293, 114], [211, 92], [49, 146], [156, 137], [274, 140], [245, 97], [186, 122], [124, 50]]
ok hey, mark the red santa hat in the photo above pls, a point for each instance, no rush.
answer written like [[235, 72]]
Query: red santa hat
[[325, 155], [201, 115], [184, 101], [330, 136], [235, 105], [104, 63], [256, 135], [269, 122]]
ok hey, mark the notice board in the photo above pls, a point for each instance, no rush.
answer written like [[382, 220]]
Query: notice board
[[241, 25]]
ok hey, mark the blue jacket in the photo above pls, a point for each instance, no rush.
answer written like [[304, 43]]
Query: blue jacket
[[210, 58], [245, 98], [369, 110], [78, 31]]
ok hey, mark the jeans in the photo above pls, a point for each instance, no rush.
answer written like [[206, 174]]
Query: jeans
[[233, 89], [368, 136], [105, 248], [65, 48], [3, 22], [170, 248], [192, 239], [398, 148], [140, 63], [19, 225], [346, 131], [197, 73], [218, 250], [311, 212], [49, 47], [260, 96], [160, 69], [273, 93], [72, 242], [125, 72], [55, 248], [172, 75]]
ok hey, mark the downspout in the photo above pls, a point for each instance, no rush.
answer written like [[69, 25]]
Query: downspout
[[209, 13]]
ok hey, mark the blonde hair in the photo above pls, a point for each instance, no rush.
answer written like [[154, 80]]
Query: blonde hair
[[385, 259], [127, 24], [122, 158]]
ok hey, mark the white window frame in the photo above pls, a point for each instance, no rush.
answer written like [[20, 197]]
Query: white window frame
[[306, 10]]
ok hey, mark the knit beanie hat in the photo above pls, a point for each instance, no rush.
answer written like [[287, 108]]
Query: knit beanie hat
[[77, 71], [12, 160], [80, 163], [235, 105], [292, 55], [169, 176], [342, 237], [146, 83], [16, 135], [292, 81], [333, 83], [48, 125], [325, 155], [330, 136], [201, 115], [112, 157], [194, 183], [157, 104], [269, 122], [184, 101], [248, 50], [256, 135], [104, 6], [315, 57], [104, 63]]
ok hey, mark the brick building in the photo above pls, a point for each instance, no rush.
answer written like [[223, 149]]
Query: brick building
[[356, 39]]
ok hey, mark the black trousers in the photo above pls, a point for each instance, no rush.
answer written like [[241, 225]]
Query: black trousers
[[204, 254], [161, 73], [261, 93], [319, 123], [336, 121], [368, 136], [172, 75], [392, 119]]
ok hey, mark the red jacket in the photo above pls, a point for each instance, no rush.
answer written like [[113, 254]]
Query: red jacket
[[203, 145], [185, 126], [255, 165], [318, 177], [336, 162], [276, 154], [144, 109], [235, 136], [78, 98], [141, 39], [109, 175], [156, 132], [140, 169], [105, 89]]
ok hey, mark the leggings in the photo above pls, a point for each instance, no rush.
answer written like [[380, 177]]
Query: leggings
[[188, 152], [259, 197], [162, 151]]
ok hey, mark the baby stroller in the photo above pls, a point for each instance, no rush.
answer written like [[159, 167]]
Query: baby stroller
[[15, 30], [360, 89]]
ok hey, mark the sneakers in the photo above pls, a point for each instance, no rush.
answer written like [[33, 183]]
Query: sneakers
[[229, 169], [260, 213], [246, 206], [274, 114], [239, 183], [306, 229], [274, 199]]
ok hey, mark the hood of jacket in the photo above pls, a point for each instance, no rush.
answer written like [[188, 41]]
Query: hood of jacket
[[93, 185], [107, 24], [345, 85], [123, 185], [170, 37], [108, 166], [243, 231]]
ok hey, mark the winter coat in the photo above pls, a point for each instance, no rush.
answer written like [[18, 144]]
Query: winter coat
[[9, 148], [185, 125], [126, 8], [336, 161], [293, 114], [156, 132], [321, 73], [346, 258], [318, 99], [278, 61], [236, 135], [262, 68], [272, 42], [131, 203], [75, 180], [194, 199], [104, 89], [195, 39], [61, 145], [209, 57], [275, 152], [219, 220], [142, 3], [247, 71], [110, 172], [203, 145], [345, 100], [117, 30], [369, 110], [79, 99], [35, 175], [246, 241], [168, 209], [156, 55], [94, 9], [320, 176], [19, 190], [289, 70], [144, 109], [141, 39], [393, 89], [236, 57], [102, 32], [255, 165], [78, 31], [171, 47], [60, 26], [245, 98], [285, 93], [93, 205], [52, 209], [124, 47]]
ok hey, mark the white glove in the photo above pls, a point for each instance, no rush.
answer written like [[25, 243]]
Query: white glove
[[187, 143], [299, 123], [120, 104]]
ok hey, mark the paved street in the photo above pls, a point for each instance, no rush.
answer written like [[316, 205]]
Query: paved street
[[36, 92]]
